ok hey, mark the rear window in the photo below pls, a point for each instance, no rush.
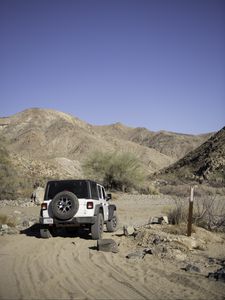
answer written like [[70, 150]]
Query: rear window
[[79, 188], [94, 191]]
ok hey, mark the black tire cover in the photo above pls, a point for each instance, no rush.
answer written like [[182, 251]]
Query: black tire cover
[[64, 205]]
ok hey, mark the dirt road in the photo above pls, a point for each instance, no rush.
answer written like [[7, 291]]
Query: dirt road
[[70, 267]]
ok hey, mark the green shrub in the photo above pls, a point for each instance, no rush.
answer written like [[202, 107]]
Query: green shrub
[[118, 171]]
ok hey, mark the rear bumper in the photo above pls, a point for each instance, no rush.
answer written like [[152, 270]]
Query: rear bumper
[[76, 221]]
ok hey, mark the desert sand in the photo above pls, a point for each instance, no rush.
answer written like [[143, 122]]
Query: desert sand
[[70, 267]]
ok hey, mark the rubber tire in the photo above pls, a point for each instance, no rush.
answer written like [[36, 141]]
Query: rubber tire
[[97, 227], [66, 215], [45, 233], [113, 223]]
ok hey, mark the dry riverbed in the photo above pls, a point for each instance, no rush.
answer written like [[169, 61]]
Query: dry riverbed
[[70, 267]]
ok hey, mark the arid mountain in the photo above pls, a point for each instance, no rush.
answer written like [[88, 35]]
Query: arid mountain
[[172, 144], [52, 143], [206, 163]]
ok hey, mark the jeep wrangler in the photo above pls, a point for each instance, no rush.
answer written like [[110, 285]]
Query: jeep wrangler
[[77, 203]]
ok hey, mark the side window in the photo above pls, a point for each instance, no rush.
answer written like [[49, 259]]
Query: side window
[[99, 192], [103, 193], [94, 191]]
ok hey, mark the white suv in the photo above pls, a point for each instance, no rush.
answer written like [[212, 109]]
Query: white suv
[[76, 203]]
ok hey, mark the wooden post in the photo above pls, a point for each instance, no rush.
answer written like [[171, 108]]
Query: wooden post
[[190, 213]]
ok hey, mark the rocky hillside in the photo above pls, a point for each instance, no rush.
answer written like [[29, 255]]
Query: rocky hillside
[[174, 145], [47, 143], [206, 163]]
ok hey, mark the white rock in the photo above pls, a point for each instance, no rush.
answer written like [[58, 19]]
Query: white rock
[[5, 227]]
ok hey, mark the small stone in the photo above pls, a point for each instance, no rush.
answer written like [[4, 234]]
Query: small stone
[[154, 220], [128, 230], [5, 227], [17, 212], [219, 275], [31, 223], [191, 268], [25, 223], [165, 220], [136, 255], [12, 230], [157, 240], [107, 245]]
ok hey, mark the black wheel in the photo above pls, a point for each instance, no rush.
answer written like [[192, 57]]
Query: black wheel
[[97, 227], [64, 205], [113, 223]]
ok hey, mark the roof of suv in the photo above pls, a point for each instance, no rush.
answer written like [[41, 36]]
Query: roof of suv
[[82, 188], [70, 180]]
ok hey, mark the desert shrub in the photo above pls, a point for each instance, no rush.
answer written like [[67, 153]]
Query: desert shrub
[[118, 171], [149, 189], [9, 220], [209, 213], [178, 214], [8, 175], [180, 229], [175, 190], [13, 184]]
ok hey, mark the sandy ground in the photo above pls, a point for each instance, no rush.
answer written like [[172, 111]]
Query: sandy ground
[[70, 267]]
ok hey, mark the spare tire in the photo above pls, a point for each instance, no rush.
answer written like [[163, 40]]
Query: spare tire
[[64, 205]]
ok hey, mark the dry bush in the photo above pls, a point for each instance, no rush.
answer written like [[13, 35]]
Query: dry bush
[[149, 189], [178, 214], [175, 190], [10, 221], [180, 229], [209, 213]]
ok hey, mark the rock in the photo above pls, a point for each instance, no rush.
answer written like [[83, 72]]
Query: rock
[[138, 235], [128, 230], [165, 220], [31, 223], [180, 256], [158, 220], [219, 275], [12, 230], [136, 255], [4, 227], [120, 231], [157, 240], [17, 212], [191, 243], [154, 220], [26, 223], [191, 268], [159, 250], [107, 245], [139, 254]]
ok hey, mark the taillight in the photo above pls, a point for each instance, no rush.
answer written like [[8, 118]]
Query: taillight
[[44, 206], [90, 205]]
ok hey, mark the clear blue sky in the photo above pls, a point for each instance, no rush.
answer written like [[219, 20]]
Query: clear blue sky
[[158, 64]]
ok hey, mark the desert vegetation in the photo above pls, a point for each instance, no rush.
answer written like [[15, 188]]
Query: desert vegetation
[[117, 171], [209, 212], [8, 182]]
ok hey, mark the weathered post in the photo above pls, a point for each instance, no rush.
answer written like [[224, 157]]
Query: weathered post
[[190, 213]]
